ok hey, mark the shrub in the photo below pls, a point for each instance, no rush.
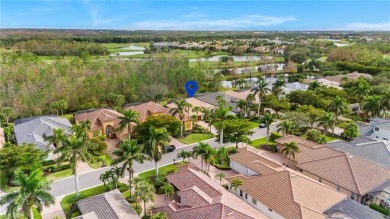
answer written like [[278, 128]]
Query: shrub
[[271, 147], [122, 187], [232, 151], [95, 140], [54, 169], [102, 137], [380, 209], [101, 148], [222, 166], [275, 135], [48, 162]]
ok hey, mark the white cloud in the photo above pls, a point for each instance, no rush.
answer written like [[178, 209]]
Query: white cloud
[[202, 23], [366, 27]]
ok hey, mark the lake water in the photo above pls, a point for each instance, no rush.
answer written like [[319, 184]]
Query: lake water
[[236, 58], [135, 50], [246, 70]]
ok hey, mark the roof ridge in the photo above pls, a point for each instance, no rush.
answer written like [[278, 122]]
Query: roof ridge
[[324, 158], [292, 191], [352, 172]]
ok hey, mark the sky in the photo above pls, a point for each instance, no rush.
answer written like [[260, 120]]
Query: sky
[[197, 15]]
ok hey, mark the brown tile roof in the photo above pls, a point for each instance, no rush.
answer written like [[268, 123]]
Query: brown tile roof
[[97, 117], [194, 102], [291, 194], [350, 76], [352, 173], [211, 201], [242, 95], [248, 156], [309, 150], [148, 109]]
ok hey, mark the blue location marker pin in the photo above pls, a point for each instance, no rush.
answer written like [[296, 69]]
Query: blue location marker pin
[[191, 87]]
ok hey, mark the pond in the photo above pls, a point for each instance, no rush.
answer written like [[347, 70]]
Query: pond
[[134, 50], [245, 70], [236, 58]]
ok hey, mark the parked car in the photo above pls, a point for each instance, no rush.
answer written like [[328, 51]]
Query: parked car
[[262, 125], [170, 148]]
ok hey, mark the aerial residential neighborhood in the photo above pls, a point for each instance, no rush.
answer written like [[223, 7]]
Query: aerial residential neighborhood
[[194, 109]]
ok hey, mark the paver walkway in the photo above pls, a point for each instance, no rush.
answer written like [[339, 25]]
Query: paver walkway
[[206, 126], [54, 210]]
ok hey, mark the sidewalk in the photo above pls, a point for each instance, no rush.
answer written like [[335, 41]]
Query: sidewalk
[[53, 211], [206, 126], [83, 168]]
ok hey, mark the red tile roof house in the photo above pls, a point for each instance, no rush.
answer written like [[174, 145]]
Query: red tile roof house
[[200, 197], [280, 192], [348, 174], [103, 122], [152, 109]]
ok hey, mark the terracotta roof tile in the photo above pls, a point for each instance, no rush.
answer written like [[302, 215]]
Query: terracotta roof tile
[[352, 173], [194, 197], [248, 155], [148, 109]]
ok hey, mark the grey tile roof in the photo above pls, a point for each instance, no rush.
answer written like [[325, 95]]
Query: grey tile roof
[[211, 98], [365, 130], [109, 205], [380, 123], [373, 151], [352, 209], [33, 130], [294, 86], [361, 140]]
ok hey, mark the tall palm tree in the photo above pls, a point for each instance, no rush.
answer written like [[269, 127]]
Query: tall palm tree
[[183, 154], [154, 147], [128, 152], [327, 121], [372, 104], [220, 176], [197, 109], [128, 117], [290, 149], [221, 114], [208, 157], [285, 127], [249, 101], [180, 110], [222, 154], [145, 191], [361, 91], [261, 89], [277, 86], [242, 105], [8, 130], [315, 86], [236, 182], [168, 190], [267, 119], [82, 128], [75, 148], [200, 150], [106, 177], [57, 138], [208, 117], [338, 105], [34, 191], [117, 173]]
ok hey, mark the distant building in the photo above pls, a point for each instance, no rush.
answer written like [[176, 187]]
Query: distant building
[[377, 128], [279, 50], [349, 77], [294, 86], [34, 130], [109, 205]]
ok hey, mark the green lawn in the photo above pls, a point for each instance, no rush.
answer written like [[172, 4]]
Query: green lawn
[[65, 202], [256, 143], [168, 168], [59, 174], [254, 124], [193, 138], [331, 138]]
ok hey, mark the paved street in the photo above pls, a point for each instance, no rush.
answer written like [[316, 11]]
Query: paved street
[[91, 179]]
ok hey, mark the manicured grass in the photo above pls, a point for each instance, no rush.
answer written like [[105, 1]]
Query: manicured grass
[[59, 174], [256, 143], [65, 202], [254, 124], [193, 138], [107, 159], [331, 138], [167, 169], [67, 116]]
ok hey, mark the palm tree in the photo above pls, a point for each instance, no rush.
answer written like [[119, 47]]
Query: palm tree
[[220, 176], [222, 154], [34, 191], [106, 178], [261, 89], [137, 181], [180, 110], [57, 137], [236, 182], [8, 112], [200, 150], [128, 152], [386, 101], [267, 119], [327, 121], [221, 114], [197, 109], [75, 148], [277, 86], [183, 154], [372, 104], [128, 117], [117, 173], [241, 83], [82, 128], [242, 105], [154, 146], [350, 132], [208, 117], [361, 90], [145, 191], [8, 130], [168, 190], [249, 101], [208, 157], [290, 149], [285, 127], [338, 105], [315, 86]]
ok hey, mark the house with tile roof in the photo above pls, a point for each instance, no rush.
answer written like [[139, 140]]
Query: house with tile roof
[[103, 121], [211, 98], [346, 173], [34, 130], [350, 209], [277, 191], [200, 197], [194, 103], [109, 205], [375, 151]]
